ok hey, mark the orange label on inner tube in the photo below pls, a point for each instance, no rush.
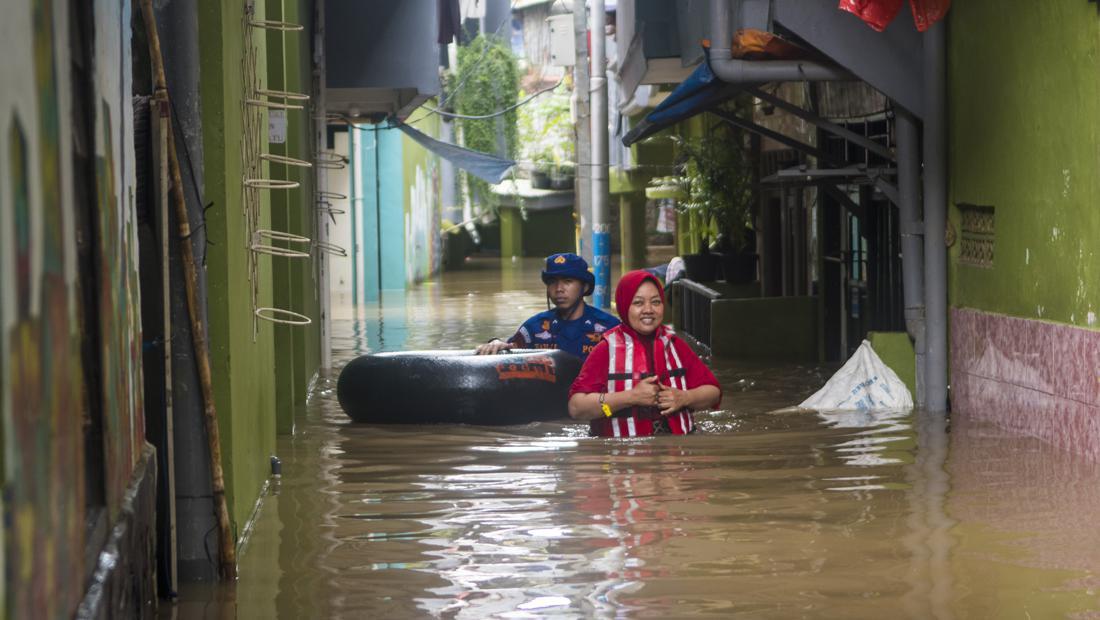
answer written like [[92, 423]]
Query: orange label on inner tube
[[537, 368]]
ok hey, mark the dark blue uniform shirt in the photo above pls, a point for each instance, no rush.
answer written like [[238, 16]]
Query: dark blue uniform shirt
[[546, 331]]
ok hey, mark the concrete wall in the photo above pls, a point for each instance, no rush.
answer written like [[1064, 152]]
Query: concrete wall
[[422, 205], [1025, 123], [765, 328], [395, 201], [341, 231], [377, 199], [48, 390]]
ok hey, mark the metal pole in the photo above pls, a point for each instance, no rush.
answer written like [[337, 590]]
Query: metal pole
[[601, 235], [161, 127], [227, 550], [321, 182], [735, 71], [584, 132], [935, 218], [912, 239]]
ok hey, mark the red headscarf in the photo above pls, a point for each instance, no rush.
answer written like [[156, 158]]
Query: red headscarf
[[628, 287]]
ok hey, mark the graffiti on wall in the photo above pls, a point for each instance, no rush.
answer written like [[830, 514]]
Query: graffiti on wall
[[43, 403], [43, 486], [422, 221], [119, 318]]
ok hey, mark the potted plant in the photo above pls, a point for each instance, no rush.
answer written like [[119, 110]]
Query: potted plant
[[540, 174], [546, 137], [561, 176], [718, 173]]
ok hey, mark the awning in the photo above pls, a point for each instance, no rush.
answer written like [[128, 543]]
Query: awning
[[701, 91], [487, 167]]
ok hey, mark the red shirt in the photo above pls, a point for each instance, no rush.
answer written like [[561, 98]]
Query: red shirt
[[593, 376]]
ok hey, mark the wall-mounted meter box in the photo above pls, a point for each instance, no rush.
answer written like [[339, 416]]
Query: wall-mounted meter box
[[562, 51]]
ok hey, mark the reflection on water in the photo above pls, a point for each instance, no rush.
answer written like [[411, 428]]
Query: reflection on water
[[771, 515]]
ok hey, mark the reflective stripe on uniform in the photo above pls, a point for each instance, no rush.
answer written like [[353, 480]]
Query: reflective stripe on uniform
[[628, 365], [612, 348], [676, 357]]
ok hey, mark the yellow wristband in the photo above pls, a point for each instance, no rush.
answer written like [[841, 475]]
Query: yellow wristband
[[603, 406]]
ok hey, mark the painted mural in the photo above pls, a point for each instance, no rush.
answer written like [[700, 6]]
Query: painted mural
[[422, 222], [118, 295], [423, 206], [43, 406], [42, 412]]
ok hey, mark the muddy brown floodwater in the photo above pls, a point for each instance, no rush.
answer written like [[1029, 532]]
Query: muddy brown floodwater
[[762, 515]]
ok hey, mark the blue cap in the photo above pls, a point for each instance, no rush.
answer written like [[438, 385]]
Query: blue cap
[[569, 265]]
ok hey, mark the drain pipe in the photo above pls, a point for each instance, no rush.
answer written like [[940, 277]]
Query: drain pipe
[[601, 212], [912, 238], [733, 71], [935, 217]]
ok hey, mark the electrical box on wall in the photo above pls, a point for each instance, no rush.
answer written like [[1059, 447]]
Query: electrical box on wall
[[562, 50]]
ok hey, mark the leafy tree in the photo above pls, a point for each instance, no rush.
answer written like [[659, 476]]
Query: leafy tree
[[486, 81]]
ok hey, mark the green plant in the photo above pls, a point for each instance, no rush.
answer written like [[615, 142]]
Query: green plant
[[546, 132], [717, 171], [563, 170], [486, 81]]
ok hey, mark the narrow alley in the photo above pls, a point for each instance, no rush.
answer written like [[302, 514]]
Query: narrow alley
[[549, 308]]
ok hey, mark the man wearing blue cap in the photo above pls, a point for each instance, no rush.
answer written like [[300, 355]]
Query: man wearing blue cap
[[571, 325]]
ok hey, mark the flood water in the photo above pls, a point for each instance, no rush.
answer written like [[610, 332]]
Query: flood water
[[762, 515]]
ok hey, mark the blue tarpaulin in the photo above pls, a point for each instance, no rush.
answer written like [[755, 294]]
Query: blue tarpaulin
[[487, 167], [699, 92]]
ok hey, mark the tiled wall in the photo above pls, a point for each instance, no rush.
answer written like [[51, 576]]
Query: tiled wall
[[1032, 377]]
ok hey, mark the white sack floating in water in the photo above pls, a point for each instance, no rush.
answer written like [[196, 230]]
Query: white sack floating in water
[[864, 383]]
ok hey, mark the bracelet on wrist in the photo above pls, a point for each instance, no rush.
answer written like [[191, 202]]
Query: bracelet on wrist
[[604, 406]]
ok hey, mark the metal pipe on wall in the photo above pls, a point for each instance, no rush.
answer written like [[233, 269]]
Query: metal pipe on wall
[[734, 71], [584, 131], [177, 25], [912, 239], [320, 137], [935, 217], [601, 227]]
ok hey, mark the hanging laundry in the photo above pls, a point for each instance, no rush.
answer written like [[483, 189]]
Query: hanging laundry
[[877, 13], [450, 22], [666, 216], [928, 12]]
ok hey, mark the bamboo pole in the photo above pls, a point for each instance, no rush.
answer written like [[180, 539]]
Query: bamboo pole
[[227, 553]]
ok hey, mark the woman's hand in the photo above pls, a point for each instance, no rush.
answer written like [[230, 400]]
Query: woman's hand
[[645, 393], [670, 400]]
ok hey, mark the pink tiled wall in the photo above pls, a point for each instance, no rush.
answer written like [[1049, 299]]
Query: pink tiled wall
[[1032, 377]]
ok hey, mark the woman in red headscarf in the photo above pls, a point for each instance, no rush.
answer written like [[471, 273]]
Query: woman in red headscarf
[[641, 379]]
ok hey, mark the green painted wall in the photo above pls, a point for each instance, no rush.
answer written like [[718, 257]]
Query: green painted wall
[[632, 230], [896, 351], [422, 203], [1024, 97], [244, 379], [297, 348], [300, 139]]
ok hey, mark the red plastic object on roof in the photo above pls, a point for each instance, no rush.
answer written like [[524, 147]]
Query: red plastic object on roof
[[928, 12], [877, 13]]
